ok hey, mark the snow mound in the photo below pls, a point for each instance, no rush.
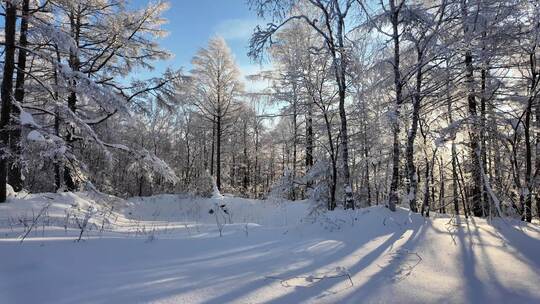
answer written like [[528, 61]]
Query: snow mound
[[192, 209], [35, 136], [28, 120], [10, 191], [54, 211]]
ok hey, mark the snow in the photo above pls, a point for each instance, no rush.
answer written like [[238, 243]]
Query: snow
[[28, 120], [167, 249], [35, 136], [10, 191]]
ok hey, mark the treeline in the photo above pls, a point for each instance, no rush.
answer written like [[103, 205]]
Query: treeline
[[68, 105], [428, 104]]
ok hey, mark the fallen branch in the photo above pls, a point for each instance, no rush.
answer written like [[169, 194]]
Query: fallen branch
[[311, 279]]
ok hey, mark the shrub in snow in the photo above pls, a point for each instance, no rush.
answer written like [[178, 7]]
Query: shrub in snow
[[319, 178], [151, 166], [283, 188], [83, 220], [222, 214], [203, 186]]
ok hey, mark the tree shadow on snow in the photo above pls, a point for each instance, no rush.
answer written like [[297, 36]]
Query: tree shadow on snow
[[154, 276], [474, 257], [299, 294]]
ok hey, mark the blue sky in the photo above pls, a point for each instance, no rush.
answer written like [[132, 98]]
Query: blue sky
[[193, 22]]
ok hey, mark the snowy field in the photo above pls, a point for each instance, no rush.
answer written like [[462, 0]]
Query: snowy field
[[168, 249]]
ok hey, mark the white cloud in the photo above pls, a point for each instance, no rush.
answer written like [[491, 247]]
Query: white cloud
[[236, 29]]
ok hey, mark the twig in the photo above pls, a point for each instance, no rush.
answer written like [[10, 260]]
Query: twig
[[312, 279], [35, 220]]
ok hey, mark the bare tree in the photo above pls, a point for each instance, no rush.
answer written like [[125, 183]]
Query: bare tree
[[217, 89], [329, 21]]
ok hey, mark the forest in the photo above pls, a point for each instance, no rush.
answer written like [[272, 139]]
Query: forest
[[361, 116]]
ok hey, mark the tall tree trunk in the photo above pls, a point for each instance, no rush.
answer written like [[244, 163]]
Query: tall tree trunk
[[365, 152], [14, 172], [333, 158], [464, 194], [6, 91], [295, 140], [442, 202], [74, 63], [218, 152], [425, 205], [257, 165], [411, 170], [366, 160], [57, 173], [205, 151], [309, 136], [453, 151], [188, 159], [212, 148], [58, 161], [483, 147], [476, 188], [529, 180], [475, 192], [246, 160], [536, 178], [340, 67], [234, 170], [376, 184], [393, 198], [527, 206], [349, 200]]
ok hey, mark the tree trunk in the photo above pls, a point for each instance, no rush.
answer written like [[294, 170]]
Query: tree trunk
[[309, 137], [368, 186], [536, 182], [74, 63], [14, 173], [333, 156], [425, 205], [393, 198], [483, 146], [527, 206], [58, 160], [212, 148], [453, 151], [257, 165], [6, 91], [411, 170], [295, 141], [475, 194], [442, 202], [349, 200], [218, 152], [476, 188], [340, 66], [246, 160], [57, 176]]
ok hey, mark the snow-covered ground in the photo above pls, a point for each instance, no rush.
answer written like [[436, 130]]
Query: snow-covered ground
[[167, 249]]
